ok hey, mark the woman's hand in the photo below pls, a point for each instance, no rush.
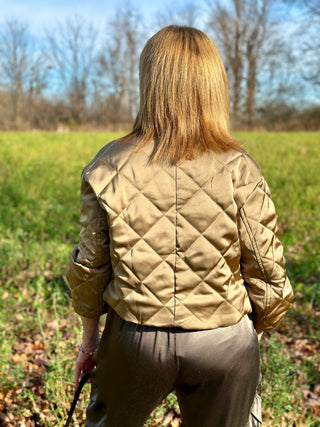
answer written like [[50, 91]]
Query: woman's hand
[[84, 364]]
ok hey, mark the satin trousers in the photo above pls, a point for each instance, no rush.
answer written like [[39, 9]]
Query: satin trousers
[[213, 372]]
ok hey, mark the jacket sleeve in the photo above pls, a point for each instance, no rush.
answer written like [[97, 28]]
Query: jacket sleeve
[[90, 267], [262, 261]]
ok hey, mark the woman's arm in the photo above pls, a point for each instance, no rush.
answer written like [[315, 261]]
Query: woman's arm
[[90, 264], [90, 342], [90, 273], [90, 333], [262, 262]]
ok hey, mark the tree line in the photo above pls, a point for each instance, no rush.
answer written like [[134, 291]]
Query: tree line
[[78, 74]]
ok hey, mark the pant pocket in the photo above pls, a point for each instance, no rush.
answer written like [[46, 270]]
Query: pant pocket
[[255, 417]]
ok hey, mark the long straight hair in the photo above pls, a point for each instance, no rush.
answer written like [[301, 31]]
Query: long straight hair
[[184, 98]]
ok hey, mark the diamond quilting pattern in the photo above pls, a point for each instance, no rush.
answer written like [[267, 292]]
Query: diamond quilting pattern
[[141, 224], [199, 211], [122, 237], [222, 232], [162, 231], [169, 224], [143, 259], [186, 234], [175, 246], [201, 257]]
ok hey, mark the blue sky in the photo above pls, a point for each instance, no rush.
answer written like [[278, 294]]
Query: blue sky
[[44, 12], [40, 13]]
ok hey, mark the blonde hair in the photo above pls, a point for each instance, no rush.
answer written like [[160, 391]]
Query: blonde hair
[[184, 99]]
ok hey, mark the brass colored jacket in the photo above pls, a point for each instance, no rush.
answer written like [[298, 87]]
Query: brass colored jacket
[[192, 246]]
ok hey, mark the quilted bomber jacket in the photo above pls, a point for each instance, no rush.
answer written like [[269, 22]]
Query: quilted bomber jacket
[[193, 246]]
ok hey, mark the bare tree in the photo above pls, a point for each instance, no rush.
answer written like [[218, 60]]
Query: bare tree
[[119, 63], [311, 47], [307, 38], [180, 13], [240, 30], [313, 6], [227, 27], [72, 50], [22, 68], [257, 33]]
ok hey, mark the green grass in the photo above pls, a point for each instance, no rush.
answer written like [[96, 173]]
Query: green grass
[[39, 215]]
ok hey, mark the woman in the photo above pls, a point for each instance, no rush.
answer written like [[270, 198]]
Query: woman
[[179, 244]]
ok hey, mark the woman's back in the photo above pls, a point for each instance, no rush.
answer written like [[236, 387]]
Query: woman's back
[[176, 234]]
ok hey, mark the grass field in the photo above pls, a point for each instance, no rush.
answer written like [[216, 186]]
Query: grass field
[[39, 214]]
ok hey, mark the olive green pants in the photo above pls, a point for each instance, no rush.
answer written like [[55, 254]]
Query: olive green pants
[[213, 372]]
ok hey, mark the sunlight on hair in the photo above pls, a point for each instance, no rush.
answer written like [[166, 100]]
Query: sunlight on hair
[[184, 99]]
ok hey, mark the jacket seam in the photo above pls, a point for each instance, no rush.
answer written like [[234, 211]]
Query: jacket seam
[[256, 254], [175, 247], [252, 190], [226, 165], [99, 242]]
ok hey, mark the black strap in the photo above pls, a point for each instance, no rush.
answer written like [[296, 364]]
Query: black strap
[[84, 379]]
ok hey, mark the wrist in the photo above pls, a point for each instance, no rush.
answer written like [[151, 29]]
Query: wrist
[[90, 343], [89, 349]]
